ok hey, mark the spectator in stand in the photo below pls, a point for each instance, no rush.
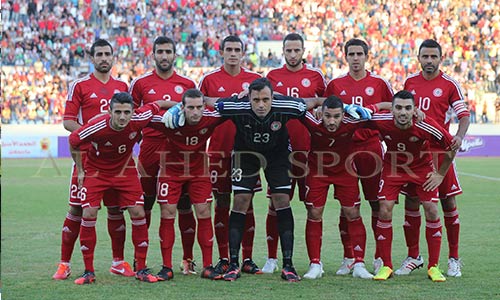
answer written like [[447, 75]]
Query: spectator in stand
[[50, 32]]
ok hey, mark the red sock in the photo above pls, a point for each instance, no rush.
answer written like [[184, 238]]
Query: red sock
[[167, 238], [412, 231], [384, 241], [314, 236], [374, 230], [248, 235], [272, 234], [205, 239], [358, 238], [148, 217], [221, 226], [187, 228], [88, 240], [345, 238], [452, 224], [70, 231], [433, 233], [116, 230], [140, 240]]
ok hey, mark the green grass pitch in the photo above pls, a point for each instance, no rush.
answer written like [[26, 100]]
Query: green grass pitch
[[34, 203]]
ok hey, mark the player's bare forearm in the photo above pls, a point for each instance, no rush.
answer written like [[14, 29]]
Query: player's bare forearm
[[447, 161], [314, 102], [383, 106], [463, 126], [210, 101], [77, 156], [71, 125], [165, 104]]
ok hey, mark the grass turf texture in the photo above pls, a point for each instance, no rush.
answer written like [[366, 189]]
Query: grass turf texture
[[34, 203]]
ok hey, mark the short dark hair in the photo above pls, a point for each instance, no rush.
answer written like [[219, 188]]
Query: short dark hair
[[403, 95], [192, 93], [232, 38], [430, 43], [293, 37], [163, 40], [356, 42], [100, 43], [259, 84], [122, 98], [332, 102]]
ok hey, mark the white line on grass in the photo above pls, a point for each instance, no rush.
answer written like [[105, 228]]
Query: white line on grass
[[479, 176]]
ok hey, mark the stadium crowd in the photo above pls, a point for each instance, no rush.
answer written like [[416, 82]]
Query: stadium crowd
[[44, 42]]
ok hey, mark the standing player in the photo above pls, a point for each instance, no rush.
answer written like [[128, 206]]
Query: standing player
[[88, 97], [437, 94], [261, 141], [184, 166], [299, 80], [110, 166], [408, 161], [363, 88], [228, 80], [165, 84]]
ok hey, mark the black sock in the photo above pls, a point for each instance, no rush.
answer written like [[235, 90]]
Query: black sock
[[236, 227], [285, 228]]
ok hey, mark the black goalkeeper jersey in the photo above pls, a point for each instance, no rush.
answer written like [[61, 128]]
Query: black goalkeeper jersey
[[261, 135]]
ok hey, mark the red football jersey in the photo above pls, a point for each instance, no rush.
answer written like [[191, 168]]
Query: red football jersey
[[307, 82], [410, 148], [330, 150], [186, 154], [111, 150], [219, 83], [88, 97], [437, 97], [151, 87], [372, 89]]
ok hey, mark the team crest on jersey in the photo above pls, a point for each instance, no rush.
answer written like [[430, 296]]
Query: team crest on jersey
[[132, 135], [369, 91], [178, 89], [413, 139], [306, 82], [275, 126], [245, 85], [203, 130], [437, 92]]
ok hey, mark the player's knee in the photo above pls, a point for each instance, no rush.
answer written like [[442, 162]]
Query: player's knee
[[75, 210], [222, 200], [449, 203], [315, 214], [90, 213], [202, 211], [431, 211], [351, 213]]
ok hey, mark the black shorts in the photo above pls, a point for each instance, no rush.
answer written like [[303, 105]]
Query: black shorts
[[246, 167]]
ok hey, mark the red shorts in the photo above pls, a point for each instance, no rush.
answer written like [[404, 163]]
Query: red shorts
[[110, 198], [149, 164], [449, 187], [391, 185], [171, 188], [346, 190], [126, 188], [368, 162]]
